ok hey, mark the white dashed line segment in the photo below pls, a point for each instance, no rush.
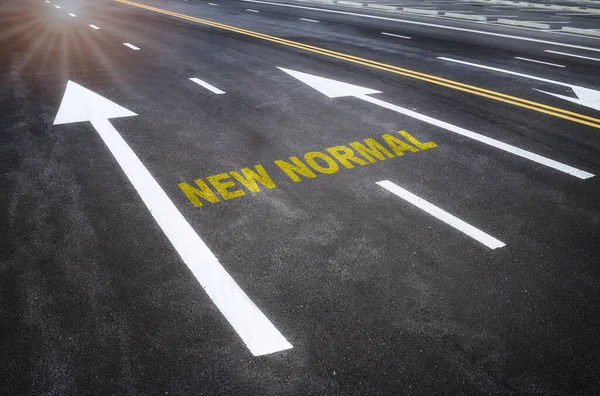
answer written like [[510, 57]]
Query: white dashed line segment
[[573, 55], [206, 85], [537, 61], [133, 47], [442, 215], [395, 35]]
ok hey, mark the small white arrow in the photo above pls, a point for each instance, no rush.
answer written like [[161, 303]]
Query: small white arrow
[[337, 89], [585, 96], [258, 333]]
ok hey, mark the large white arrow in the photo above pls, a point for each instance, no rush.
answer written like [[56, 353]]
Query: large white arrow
[[337, 89], [258, 333]]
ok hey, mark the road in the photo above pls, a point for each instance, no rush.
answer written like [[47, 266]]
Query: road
[[296, 198]]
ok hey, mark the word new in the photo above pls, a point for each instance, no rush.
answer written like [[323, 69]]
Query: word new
[[234, 184]]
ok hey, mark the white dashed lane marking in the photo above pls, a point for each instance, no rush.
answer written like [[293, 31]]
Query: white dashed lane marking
[[395, 35], [133, 47], [537, 61], [442, 215], [206, 85]]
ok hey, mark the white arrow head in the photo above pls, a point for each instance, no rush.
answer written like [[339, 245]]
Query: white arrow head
[[79, 104], [331, 88], [585, 96]]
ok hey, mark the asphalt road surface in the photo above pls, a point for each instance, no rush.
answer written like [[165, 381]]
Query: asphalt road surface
[[294, 198]]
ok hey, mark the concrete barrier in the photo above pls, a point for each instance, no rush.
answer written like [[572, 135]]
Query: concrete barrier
[[349, 3], [585, 32], [524, 24], [420, 11], [382, 7], [464, 16]]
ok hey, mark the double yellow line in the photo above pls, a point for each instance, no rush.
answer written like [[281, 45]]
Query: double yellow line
[[527, 104]]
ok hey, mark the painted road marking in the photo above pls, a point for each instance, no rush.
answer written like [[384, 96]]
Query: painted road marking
[[442, 215], [95, 27], [337, 89], [309, 20], [57, 6], [206, 85], [395, 35], [573, 55], [229, 185], [73, 15], [504, 71], [213, 4], [425, 24], [501, 97], [251, 10], [253, 327], [537, 61], [585, 96], [133, 47]]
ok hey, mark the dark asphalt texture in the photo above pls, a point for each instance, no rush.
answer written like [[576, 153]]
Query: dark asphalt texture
[[376, 296]]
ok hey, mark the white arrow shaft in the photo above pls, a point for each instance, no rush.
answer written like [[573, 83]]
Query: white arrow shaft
[[481, 138], [257, 332]]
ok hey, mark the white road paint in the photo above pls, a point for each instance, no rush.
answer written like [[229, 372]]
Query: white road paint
[[337, 89], [71, 14], [395, 35], [573, 55], [428, 24], [95, 27], [251, 10], [309, 20], [537, 61], [213, 4], [47, 1], [57, 6], [257, 332], [133, 47], [504, 71], [585, 96], [206, 85], [442, 215]]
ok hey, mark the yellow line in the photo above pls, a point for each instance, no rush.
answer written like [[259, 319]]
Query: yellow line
[[535, 106]]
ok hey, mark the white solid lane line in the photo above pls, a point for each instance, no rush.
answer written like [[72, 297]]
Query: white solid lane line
[[95, 27], [482, 138], [573, 55], [251, 10], [537, 61], [133, 47], [395, 35], [429, 24], [206, 85], [71, 14], [505, 71], [309, 20], [442, 215]]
